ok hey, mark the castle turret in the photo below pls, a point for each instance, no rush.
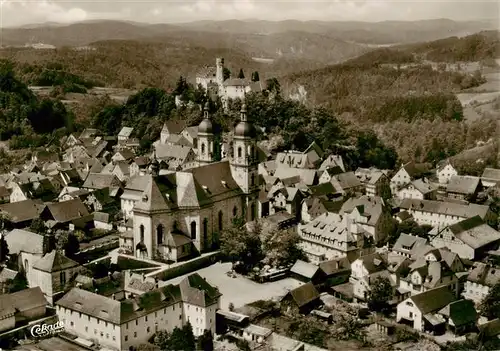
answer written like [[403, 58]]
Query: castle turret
[[220, 70]]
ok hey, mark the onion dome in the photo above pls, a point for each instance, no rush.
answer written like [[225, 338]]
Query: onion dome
[[245, 128], [205, 125]]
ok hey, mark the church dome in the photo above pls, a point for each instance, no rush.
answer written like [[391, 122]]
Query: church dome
[[245, 128], [205, 125]]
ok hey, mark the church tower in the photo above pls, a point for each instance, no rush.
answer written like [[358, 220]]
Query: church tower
[[206, 147], [219, 74], [244, 162]]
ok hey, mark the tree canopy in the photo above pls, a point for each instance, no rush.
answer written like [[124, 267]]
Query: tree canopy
[[380, 294], [490, 306]]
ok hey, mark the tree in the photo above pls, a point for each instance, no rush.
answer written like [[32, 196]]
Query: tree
[[380, 294], [238, 244], [282, 248], [490, 306], [273, 86], [241, 75], [255, 76], [4, 248], [38, 226], [162, 340], [206, 341], [18, 283], [182, 339], [226, 73], [68, 242]]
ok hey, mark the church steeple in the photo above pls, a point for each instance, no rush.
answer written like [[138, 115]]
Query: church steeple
[[206, 149]]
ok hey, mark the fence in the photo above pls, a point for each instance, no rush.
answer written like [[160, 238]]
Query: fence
[[187, 267]]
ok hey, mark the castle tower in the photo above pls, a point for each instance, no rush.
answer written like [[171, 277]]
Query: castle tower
[[206, 149], [244, 163], [219, 76]]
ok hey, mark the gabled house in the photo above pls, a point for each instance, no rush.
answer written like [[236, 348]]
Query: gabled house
[[307, 272], [482, 277], [175, 157], [461, 316], [172, 127], [191, 135], [329, 173], [370, 213], [426, 275], [374, 180], [21, 307], [303, 299], [417, 189], [464, 187], [470, 238], [331, 235], [315, 206], [132, 194], [22, 213], [445, 171], [125, 134], [346, 182], [40, 189], [368, 264], [406, 243], [408, 172], [421, 310], [285, 199], [53, 273], [95, 181], [336, 271], [443, 213], [65, 214], [332, 161], [123, 155]]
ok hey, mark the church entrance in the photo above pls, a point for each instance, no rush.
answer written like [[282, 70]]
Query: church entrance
[[141, 250]]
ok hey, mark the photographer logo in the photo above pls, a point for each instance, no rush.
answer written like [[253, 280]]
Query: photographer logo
[[43, 330]]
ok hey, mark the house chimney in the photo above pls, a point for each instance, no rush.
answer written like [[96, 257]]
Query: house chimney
[[113, 296]]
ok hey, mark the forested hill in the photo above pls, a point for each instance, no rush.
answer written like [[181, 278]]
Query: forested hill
[[410, 101]]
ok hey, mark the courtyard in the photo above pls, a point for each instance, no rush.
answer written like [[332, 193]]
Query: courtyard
[[240, 290]]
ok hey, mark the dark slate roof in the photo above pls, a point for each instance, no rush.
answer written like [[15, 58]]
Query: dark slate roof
[[465, 185], [53, 262], [304, 294], [23, 210], [21, 301], [100, 180], [335, 265], [196, 291], [460, 312], [175, 126], [66, 211], [433, 300]]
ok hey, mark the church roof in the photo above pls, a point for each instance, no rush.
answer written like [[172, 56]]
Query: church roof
[[54, 262]]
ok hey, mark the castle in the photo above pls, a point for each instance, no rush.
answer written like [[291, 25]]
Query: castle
[[186, 210], [212, 80]]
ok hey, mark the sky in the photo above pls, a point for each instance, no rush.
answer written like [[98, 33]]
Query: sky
[[22, 12]]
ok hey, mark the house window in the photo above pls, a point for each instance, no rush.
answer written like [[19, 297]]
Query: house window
[[141, 231], [148, 330], [235, 211], [126, 337], [252, 211], [252, 182], [220, 221], [159, 234], [62, 278], [411, 314], [71, 323], [135, 334], [146, 318], [86, 329], [202, 148], [239, 151], [193, 230]]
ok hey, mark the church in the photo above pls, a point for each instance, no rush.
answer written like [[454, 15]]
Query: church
[[185, 211]]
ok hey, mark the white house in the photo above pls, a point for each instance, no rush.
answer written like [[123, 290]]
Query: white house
[[117, 325], [403, 176], [442, 214], [445, 171], [468, 238], [419, 189], [421, 309], [481, 279]]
